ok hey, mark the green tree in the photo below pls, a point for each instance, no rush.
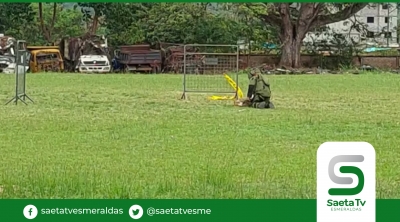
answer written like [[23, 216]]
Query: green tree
[[252, 28], [14, 18], [295, 21], [92, 14], [12, 14], [123, 22], [64, 22], [188, 23], [23, 21], [132, 23]]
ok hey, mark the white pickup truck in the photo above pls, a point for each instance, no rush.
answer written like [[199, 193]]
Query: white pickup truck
[[93, 64]]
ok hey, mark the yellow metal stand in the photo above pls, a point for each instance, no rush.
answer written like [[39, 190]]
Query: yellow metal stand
[[233, 84]]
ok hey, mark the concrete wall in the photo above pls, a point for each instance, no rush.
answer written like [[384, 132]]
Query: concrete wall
[[308, 61]]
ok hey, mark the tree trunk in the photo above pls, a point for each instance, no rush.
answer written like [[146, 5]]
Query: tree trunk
[[47, 31], [42, 27], [292, 36], [292, 32], [95, 23], [290, 57]]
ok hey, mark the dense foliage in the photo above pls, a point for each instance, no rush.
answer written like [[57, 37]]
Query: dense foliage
[[130, 23], [211, 23]]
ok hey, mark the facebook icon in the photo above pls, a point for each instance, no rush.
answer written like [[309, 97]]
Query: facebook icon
[[30, 212]]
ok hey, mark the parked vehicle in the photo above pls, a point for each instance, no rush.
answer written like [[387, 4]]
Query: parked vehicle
[[137, 58], [7, 54], [93, 64], [81, 53], [173, 58], [45, 59], [7, 64]]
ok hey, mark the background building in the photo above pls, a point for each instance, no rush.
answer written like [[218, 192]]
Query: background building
[[377, 26]]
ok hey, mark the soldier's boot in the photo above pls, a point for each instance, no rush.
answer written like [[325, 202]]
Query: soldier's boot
[[271, 105], [261, 105]]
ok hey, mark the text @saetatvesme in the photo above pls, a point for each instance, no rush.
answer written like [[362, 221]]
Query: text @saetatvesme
[[177, 211]]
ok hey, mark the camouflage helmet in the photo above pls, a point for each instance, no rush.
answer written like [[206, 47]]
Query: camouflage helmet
[[253, 71]]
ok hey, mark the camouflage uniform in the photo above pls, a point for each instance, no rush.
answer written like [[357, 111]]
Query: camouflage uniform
[[259, 91]]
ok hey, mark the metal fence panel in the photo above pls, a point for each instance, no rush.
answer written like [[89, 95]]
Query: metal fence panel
[[205, 66]]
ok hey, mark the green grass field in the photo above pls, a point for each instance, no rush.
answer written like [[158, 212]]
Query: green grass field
[[129, 136]]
